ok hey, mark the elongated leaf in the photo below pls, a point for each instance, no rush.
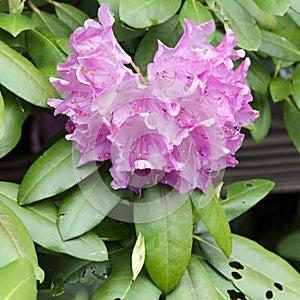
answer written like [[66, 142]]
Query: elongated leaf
[[43, 49], [14, 24], [138, 256], [39, 219], [18, 281], [251, 265], [16, 241], [195, 284], [194, 10], [289, 246], [243, 195], [263, 122], [120, 286], [31, 85], [2, 119], [257, 77], [144, 14], [167, 230], [296, 85], [280, 89], [15, 114], [279, 47], [51, 23], [243, 24], [168, 33], [70, 15], [291, 116], [209, 208], [85, 206], [276, 7], [58, 166]]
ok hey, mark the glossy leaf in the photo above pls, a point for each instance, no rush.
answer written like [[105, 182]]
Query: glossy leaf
[[169, 33], [251, 265], [257, 77], [51, 23], [40, 221], [276, 7], [14, 24], [43, 49], [144, 14], [138, 256], [59, 160], [289, 246], [15, 114], [16, 241], [167, 221], [70, 15], [296, 85], [195, 284], [279, 47], [280, 89], [194, 10], [242, 195], [211, 213], [31, 85], [291, 116], [18, 281], [2, 119], [85, 206], [242, 23], [263, 122], [120, 286]]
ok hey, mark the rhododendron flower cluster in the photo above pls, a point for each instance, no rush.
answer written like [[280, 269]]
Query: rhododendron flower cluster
[[178, 126]]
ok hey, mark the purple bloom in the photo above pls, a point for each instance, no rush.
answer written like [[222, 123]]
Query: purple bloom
[[177, 128]]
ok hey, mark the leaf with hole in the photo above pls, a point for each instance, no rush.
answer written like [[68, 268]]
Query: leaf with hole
[[60, 159], [120, 286], [31, 85], [164, 218], [251, 265], [40, 221], [18, 281]]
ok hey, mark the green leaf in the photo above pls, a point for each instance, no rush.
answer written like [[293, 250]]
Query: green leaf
[[169, 33], [69, 270], [147, 13], [70, 15], [164, 218], [15, 114], [257, 77], [250, 265], [296, 85], [195, 284], [51, 23], [194, 10], [276, 7], [209, 208], [18, 281], [279, 47], [263, 122], [2, 119], [59, 160], [291, 116], [85, 206], [124, 33], [289, 246], [43, 49], [280, 89], [31, 85], [120, 286], [16, 241], [242, 195], [14, 24], [40, 221], [243, 24], [138, 256]]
